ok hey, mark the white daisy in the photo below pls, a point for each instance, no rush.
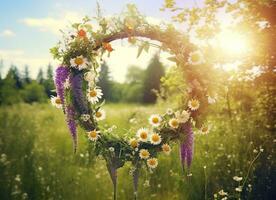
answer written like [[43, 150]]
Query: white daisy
[[193, 104], [56, 101], [166, 149], [155, 138], [211, 100], [93, 135], [67, 84], [111, 149], [142, 134], [195, 58], [169, 111], [155, 120], [222, 193], [205, 129], [144, 154], [133, 143], [85, 117], [94, 95], [100, 114], [90, 76], [182, 117], [174, 123], [79, 62], [152, 163], [237, 178]]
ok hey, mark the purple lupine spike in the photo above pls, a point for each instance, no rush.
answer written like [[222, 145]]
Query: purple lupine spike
[[62, 74], [71, 123], [187, 146], [76, 82]]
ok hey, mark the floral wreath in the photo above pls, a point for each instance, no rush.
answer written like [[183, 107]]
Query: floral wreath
[[81, 99]]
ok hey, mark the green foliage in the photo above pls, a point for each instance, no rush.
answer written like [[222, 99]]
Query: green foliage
[[153, 74], [34, 92], [49, 82], [104, 82], [44, 159], [9, 91]]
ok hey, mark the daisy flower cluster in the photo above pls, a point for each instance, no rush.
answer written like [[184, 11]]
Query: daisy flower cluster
[[163, 128], [77, 78]]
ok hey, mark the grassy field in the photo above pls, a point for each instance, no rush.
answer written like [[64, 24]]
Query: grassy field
[[37, 160]]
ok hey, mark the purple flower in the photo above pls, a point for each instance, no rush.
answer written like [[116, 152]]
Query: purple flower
[[70, 113], [62, 74], [78, 98], [187, 146]]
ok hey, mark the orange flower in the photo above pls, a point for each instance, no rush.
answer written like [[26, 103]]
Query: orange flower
[[82, 33], [107, 46]]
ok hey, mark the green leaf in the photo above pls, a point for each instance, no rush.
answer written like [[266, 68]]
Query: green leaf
[[76, 25], [140, 49], [146, 46], [173, 59]]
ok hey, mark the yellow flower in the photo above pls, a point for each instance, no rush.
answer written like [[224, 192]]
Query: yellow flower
[[56, 101], [155, 120], [142, 134], [193, 104], [94, 95], [155, 139], [93, 135], [144, 154], [79, 62], [205, 129], [174, 123], [100, 115], [133, 143], [195, 58], [152, 163], [166, 149]]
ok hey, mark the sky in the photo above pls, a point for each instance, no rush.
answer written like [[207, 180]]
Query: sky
[[29, 28]]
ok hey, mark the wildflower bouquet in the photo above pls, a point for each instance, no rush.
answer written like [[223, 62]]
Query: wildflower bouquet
[[81, 100]]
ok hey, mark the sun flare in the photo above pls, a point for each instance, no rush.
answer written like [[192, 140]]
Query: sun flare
[[231, 42]]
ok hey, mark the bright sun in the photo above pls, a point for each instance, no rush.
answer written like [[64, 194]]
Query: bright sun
[[231, 42]]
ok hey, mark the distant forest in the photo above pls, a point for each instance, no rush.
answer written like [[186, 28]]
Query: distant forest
[[140, 85]]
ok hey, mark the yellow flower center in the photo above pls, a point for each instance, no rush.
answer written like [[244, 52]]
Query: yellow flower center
[[79, 61], [145, 153], [194, 103], [134, 143], [58, 101], [166, 148], [174, 123], [143, 135], [155, 138], [98, 114], [155, 120], [195, 57], [152, 162], [93, 93], [93, 134]]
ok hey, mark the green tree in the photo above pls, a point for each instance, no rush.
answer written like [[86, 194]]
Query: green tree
[[153, 74], [133, 88], [49, 82], [105, 82], [16, 76], [34, 92], [40, 76], [9, 91], [26, 75]]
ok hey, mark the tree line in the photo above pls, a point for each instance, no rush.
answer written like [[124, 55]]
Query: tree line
[[140, 85]]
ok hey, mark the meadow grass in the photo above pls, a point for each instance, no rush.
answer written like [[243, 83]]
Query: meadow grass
[[37, 159]]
